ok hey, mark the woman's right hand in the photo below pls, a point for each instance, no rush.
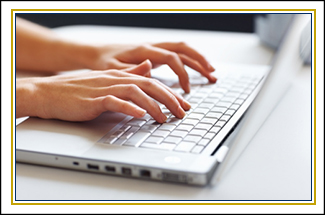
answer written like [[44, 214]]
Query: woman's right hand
[[83, 97]]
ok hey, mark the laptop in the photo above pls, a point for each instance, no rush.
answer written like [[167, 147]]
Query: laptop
[[196, 150]]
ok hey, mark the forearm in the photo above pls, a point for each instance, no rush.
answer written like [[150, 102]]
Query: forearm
[[40, 49]]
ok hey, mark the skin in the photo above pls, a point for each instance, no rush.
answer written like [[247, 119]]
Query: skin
[[121, 73]]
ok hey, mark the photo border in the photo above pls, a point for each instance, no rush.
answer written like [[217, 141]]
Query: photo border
[[313, 69]]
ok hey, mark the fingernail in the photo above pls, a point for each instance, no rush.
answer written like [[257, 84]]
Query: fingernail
[[181, 112], [213, 79], [163, 118], [188, 88], [186, 105], [211, 67], [140, 112]]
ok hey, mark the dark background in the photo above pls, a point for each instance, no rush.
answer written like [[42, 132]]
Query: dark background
[[197, 21]]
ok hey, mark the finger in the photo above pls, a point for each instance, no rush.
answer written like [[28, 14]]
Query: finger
[[116, 64], [198, 67], [162, 56], [184, 104], [133, 93], [112, 103], [154, 89], [187, 50], [142, 69]]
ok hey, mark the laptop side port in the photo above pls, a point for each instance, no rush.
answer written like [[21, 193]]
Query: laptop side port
[[167, 176], [75, 163], [145, 173], [110, 168], [93, 166], [126, 171]]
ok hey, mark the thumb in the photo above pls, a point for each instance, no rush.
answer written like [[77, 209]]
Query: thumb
[[143, 68]]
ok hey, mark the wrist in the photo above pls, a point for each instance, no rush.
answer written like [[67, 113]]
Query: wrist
[[78, 56], [25, 97]]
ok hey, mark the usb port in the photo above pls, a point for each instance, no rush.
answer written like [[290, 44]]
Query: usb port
[[145, 173], [93, 166], [110, 168]]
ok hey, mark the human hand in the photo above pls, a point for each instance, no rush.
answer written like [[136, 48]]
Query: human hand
[[82, 97], [175, 55]]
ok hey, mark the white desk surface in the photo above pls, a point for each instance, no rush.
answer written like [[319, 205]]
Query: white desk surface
[[275, 166]]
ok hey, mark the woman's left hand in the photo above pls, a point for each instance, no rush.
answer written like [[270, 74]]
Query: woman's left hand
[[175, 55]]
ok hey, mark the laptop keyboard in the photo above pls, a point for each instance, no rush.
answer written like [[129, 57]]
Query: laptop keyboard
[[213, 105]]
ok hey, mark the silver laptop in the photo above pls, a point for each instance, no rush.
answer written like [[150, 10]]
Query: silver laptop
[[194, 150]]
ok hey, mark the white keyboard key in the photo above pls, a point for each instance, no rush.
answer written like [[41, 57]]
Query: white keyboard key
[[219, 109], [193, 138], [204, 142], [248, 91], [156, 140], [166, 112], [120, 141], [173, 120], [118, 133], [126, 127], [146, 117], [197, 149], [137, 139], [236, 90], [111, 140], [127, 135], [201, 110], [223, 104], [209, 136], [225, 117], [133, 129], [160, 133], [185, 127], [174, 140], [214, 115], [211, 100], [149, 128], [220, 123], [195, 100], [198, 132], [220, 90], [215, 95], [239, 101], [195, 116], [153, 123], [199, 95], [206, 105], [233, 94], [167, 127], [136, 122], [203, 126], [190, 122], [234, 106], [211, 121], [215, 129], [230, 112], [205, 90], [243, 96], [228, 99], [178, 133], [184, 146]]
